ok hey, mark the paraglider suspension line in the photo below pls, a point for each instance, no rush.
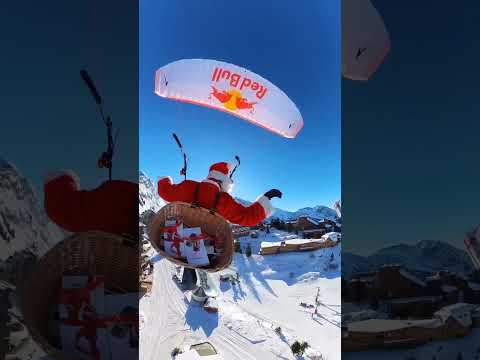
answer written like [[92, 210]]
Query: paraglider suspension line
[[184, 169]]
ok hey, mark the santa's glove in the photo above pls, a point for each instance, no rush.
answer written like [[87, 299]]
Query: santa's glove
[[273, 193]]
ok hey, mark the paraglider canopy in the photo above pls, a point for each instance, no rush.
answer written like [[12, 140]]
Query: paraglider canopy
[[231, 89], [365, 41]]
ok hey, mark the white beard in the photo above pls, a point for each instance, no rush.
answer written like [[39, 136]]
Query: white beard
[[227, 186]]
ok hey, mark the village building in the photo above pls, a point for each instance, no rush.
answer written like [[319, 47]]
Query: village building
[[361, 287], [399, 292], [393, 281], [449, 322], [294, 245], [315, 228]]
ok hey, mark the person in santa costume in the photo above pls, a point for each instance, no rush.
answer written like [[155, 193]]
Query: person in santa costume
[[112, 207], [214, 193]]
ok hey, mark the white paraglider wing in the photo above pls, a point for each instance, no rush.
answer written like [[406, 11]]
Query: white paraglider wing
[[232, 89], [365, 41]]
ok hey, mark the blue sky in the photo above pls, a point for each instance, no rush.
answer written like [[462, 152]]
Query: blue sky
[[49, 120], [295, 47], [410, 134]]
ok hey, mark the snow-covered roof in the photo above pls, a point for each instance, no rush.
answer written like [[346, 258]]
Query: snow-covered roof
[[6, 285], [459, 311], [416, 299], [363, 279], [361, 316], [267, 244], [412, 277], [474, 286], [449, 289], [382, 325], [312, 231], [458, 306], [334, 236]]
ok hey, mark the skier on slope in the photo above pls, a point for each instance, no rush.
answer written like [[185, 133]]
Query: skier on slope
[[214, 193], [112, 207]]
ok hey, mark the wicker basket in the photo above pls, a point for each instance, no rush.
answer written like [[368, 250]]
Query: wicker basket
[[90, 253], [191, 216]]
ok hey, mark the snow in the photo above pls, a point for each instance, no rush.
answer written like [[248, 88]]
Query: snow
[[317, 213], [193, 355], [474, 286], [148, 196], [24, 225], [384, 325], [334, 236], [361, 315], [415, 299], [267, 297], [461, 312], [297, 241], [412, 278], [449, 289]]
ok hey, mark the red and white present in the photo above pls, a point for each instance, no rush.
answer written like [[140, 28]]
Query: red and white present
[[77, 291], [172, 238], [195, 250]]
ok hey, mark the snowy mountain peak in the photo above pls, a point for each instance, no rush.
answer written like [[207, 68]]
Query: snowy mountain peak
[[23, 223], [148, 196]]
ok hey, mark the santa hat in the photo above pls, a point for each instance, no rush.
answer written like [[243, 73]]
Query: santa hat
[[221, 172]]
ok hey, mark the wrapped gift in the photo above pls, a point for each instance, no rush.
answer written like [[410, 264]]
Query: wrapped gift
[[81, 304], [77, 291], [172, 238], [123, 334], [195, 250]]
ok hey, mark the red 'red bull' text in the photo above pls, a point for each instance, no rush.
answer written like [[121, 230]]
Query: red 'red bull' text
[[235, 78]]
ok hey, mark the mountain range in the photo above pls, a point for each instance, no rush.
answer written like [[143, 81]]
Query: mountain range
[[426, 256]]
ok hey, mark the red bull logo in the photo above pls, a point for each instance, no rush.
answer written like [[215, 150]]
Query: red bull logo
[[233, 98]]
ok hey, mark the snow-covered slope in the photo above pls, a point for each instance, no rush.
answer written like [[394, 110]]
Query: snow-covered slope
[[23, 222], [267, 297], [148, 196], [425, 256]]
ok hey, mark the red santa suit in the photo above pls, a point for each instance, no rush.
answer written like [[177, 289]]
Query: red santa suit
[[112, 207], [212, 193]]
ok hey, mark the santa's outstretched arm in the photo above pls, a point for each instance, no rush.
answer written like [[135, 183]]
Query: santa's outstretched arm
[[250, 215]]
